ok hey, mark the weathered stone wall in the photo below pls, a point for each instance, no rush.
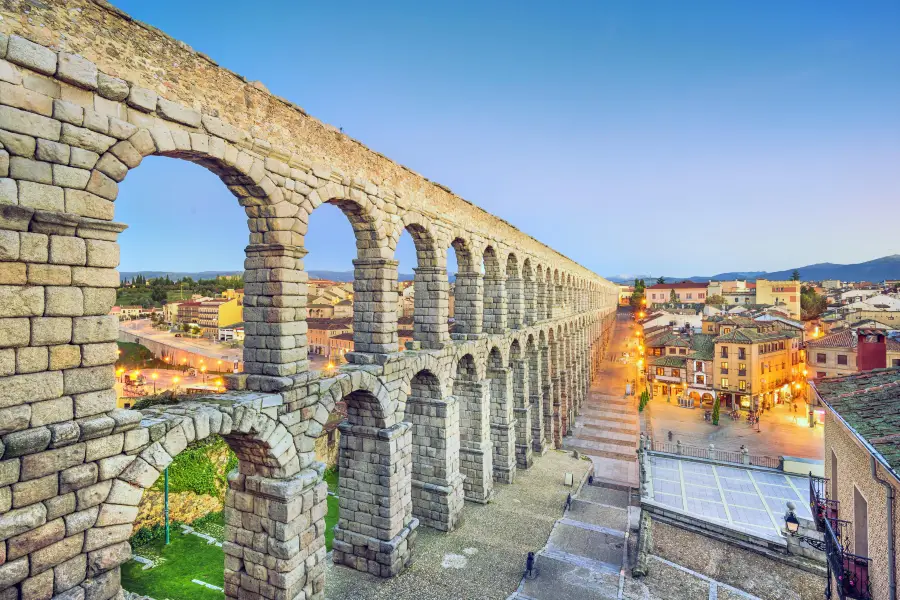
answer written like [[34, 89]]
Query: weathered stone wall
[[85, 94], [766, 576]]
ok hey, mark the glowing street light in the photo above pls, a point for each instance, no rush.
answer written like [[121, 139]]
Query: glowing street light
[[153, 376]]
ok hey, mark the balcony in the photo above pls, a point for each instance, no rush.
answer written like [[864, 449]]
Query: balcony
[[742, 372], [723, 371], [851, 571]]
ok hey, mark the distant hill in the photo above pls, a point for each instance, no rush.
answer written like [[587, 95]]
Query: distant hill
[[887, 267]]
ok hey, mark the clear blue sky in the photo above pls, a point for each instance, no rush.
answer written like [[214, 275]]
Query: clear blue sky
[[684, 138]]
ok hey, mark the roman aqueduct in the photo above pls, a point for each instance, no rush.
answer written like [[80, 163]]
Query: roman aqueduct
[[85, 94]]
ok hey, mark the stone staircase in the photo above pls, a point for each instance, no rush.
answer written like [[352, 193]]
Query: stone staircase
[[608, 427]]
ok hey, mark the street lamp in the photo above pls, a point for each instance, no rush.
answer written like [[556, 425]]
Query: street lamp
[[175, 381], [154, 376], [203, 372]]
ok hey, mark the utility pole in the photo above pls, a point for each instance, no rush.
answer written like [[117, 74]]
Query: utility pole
[[166, 501]]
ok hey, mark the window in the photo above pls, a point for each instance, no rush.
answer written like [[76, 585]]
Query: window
[[660, 371], [671, 350], [725, 351], [701, 379], [742, 353], [676, 373], [860, 524], [701, 295], [698, 366], [724, 383], [820, 358], [895, 362], [724, 368], [690, 296], [842, 359], [742, 385], [682, 351], [821, 374]]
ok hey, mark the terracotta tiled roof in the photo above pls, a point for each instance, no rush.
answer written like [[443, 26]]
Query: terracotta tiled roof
[[842, 339]]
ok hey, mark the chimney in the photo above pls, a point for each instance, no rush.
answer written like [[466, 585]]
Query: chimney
[[871, 350]]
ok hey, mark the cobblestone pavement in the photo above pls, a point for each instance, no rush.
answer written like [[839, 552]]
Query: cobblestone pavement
[[781, 434], [607, 429], [485, 557]]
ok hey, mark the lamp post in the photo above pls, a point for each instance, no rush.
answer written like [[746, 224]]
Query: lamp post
[[153, 376]]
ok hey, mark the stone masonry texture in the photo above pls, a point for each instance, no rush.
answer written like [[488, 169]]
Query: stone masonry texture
[[86, 93]]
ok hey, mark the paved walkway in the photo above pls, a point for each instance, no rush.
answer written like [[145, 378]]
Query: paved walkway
[[485, 557], [607, 429]]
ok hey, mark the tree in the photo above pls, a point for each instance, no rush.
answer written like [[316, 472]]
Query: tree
[[673, 297], [812, 305], [661, 280], [157, 293], [715, 413], [645, 398], [795, 276], [715, 299]]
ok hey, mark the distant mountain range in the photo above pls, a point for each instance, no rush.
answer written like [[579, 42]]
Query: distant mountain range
[[887, 267]]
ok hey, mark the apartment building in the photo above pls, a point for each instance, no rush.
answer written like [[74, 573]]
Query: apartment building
[[218, 313], [758, 364], [837, 354], [685, 291], [780, 293]]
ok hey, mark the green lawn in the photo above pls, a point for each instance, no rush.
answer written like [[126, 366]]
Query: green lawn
[[187, 557]]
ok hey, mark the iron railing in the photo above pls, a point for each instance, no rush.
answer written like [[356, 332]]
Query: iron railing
[[851, 571], [714, 454]]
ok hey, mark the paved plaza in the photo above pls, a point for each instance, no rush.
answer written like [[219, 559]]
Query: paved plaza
[[749, 500], [782, 431]]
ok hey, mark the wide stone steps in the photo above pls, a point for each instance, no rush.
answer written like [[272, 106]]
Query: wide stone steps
[[607, 438], [605, 450], [609, 419], [632, 430]]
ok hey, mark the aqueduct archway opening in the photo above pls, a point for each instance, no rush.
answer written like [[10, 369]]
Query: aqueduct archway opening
[[499, 391]]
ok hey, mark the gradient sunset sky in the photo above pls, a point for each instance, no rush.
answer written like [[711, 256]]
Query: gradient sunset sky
[[685, 138]]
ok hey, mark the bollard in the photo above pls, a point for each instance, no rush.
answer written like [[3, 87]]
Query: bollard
[[530, 573], [678, 447]]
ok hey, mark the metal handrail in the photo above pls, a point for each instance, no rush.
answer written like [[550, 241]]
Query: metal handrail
[[727, 456]]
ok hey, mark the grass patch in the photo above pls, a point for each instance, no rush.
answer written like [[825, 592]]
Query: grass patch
[[187, 557], [331, 519], [212, 524]]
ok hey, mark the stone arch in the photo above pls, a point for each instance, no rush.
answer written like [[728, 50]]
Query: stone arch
[[476, 448], [375, 487], [540, 302], [502, 423], [375, 406], [529, 290], [494, 298], [535, 395], [546, 385], [271, 216], [518, 364], [431, 301], [467, 290], [374, 270], [514, 292], [437, 486], [267, 484]]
